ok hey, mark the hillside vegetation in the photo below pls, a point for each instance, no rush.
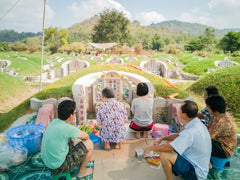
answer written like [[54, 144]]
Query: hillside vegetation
[[227, 80], [191, 28]]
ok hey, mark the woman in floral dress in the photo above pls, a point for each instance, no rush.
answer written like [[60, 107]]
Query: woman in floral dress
[[221, 128], [112, 115]]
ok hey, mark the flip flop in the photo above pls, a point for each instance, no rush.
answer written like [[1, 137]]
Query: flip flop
[[90, 172]]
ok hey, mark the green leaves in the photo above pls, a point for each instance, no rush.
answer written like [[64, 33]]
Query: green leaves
[[112, 27]]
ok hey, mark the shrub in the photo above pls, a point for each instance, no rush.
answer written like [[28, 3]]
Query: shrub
[[19, 47]]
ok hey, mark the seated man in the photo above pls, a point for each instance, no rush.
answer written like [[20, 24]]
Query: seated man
[[58, 150], [189, 152], [204, 114]]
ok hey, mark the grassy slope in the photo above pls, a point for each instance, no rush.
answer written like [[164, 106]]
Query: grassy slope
[[227, 80], [63, 88], [11, 89], [194, 65], [29, 67]]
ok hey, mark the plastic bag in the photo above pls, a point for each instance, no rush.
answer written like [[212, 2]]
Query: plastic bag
[[5, 156], [11, 156]]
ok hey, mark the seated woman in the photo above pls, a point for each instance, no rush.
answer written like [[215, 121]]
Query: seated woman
[[221, 129], [112, 116], [142, 109]]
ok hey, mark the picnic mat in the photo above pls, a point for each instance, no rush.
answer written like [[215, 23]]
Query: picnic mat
[[33, 169]]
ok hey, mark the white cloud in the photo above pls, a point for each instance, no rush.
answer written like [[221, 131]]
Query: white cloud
[[84, 9], [26, 15], [224, 4], [147, 18], [225, 13]]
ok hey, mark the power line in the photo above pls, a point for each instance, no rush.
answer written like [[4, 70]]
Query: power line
[[9, 10]]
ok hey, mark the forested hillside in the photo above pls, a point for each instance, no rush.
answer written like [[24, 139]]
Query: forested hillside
[[13, 36]]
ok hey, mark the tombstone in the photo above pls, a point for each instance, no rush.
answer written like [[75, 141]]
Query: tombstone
[[115, 60], [76, 65], [121, 86], [58, 73], [156, 67], [46, 114]]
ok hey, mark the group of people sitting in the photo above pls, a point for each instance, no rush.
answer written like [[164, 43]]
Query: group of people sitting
[[186, 153]]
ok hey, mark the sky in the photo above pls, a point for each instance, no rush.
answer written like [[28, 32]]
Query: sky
[[27, 15]]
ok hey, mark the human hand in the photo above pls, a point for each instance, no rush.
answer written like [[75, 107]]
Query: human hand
[[146, 151], [157, 141]]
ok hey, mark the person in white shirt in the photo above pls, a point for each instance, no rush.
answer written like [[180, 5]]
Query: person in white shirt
[[188, 153]]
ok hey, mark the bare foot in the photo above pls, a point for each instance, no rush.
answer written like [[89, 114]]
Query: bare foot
[[145, 135], [107, 146], [138, 135], [85, 172], [118, 146]]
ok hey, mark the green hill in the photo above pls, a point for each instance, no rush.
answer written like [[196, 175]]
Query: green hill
[[191, 28], [227, 80]]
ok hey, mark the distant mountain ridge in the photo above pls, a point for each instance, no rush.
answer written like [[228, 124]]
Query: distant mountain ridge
[[191, 28]]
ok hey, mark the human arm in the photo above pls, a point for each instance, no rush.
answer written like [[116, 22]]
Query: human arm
[[83, 135], [167, 138], [161, 148]]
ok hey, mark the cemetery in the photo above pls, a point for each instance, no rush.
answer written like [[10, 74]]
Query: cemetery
[[85, 89]]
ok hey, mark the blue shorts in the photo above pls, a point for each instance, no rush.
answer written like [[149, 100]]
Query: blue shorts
[[184, 168]]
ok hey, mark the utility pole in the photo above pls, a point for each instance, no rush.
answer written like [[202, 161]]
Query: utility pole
[[44, 8]]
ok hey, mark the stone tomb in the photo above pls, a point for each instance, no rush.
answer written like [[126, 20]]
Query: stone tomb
[[87, 90]]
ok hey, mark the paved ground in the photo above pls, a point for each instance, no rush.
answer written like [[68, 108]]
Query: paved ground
[[122, 164]]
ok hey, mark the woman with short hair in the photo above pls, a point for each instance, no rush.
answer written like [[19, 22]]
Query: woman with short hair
[[221, 128], [142, 107]]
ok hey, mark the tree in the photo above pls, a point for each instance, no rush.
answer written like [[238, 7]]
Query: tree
[[206, 41], [56, 37], [147, 44], [230, 42], [112, 27], [157, 42], [194, 44]]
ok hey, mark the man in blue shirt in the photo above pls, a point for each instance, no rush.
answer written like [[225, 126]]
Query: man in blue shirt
[[188, 153]]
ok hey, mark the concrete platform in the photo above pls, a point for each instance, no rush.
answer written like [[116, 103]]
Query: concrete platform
[[122, 164]]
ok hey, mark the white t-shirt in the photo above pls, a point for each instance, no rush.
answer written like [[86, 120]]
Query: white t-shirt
[[142, 108]]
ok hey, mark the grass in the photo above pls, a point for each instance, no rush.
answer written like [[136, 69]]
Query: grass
[[26, 67], [199, 67]]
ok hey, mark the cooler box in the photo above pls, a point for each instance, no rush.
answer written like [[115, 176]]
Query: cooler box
[[160, 130]]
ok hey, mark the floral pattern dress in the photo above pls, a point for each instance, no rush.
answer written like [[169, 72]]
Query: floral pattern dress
[[112, 115], [222, 130]]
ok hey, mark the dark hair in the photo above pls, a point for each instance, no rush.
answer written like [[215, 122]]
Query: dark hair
[[65, 109], [190, 108], [216, 103], [211, 91], [142, 89], [108, 93]]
